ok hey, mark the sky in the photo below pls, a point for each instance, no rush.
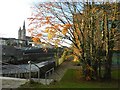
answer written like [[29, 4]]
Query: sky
[[12, 15]]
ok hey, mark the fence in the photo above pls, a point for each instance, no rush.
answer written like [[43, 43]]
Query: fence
[[48, 73], [27, 73], [11, 70]]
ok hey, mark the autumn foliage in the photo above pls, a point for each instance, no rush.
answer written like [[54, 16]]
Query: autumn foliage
[[86, 27]]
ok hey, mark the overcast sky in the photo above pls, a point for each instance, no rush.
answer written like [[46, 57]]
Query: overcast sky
[[12, 15]]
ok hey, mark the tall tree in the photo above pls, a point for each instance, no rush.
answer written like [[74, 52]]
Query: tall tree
[[85, 26]]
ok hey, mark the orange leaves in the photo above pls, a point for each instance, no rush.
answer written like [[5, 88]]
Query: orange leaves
[[53, 30], [68, 25], [56, 26], [65, 28], [39, 35], [64, 31], [48, 19], [76, 51], [36, 40]]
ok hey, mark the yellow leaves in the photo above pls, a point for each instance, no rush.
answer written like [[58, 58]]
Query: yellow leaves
[[68, 57], [50, 36], [57, 41], [78, 31], [46, 30], [51, 32], [75, 35], [94, 9], [75, 59]]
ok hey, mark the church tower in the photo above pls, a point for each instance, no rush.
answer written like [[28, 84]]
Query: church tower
[[23, 35], [22, 32], [19, 33]]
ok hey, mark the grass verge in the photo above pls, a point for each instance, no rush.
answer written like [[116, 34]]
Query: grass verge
[[73, 79]]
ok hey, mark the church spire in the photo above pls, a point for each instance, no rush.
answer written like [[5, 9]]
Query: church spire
[[19, 33], [19, 28], [24, 25], [23, 36]]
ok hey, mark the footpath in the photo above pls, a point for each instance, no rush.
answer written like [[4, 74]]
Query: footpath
[[60, 70], [8, 82]]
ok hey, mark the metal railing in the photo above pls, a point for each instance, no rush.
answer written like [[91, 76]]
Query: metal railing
[[28, 71], [16, 73], [49, 72], [31, 62]]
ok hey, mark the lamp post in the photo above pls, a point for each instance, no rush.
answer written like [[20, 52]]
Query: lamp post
[[29, 62]]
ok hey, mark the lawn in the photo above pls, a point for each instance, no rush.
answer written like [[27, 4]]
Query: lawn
[[73, 79]]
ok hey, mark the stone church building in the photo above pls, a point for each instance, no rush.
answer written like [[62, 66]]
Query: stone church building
[[22, 32], [25, 40]]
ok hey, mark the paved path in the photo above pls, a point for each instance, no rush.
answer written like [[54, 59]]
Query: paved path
[[60, 70], [8, 82]]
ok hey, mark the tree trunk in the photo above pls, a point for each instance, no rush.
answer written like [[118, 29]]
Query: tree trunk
[[108, 65], [99, 66]]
